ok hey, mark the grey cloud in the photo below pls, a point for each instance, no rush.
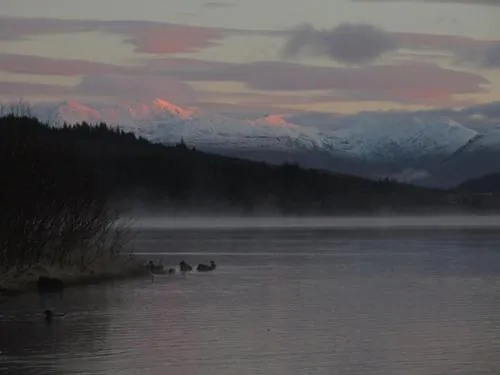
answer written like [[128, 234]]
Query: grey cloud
[[362, 44], [486, 55], [133, 87], [347, 43], [136, 32], [217, 5], [491, 56], [466, 2], [37, 65], [407, 83], [22, 89], [409, 78]]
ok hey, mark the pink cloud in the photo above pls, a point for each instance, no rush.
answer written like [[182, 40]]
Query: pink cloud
[[23, 64], [176, 39], [343, 43], [407, 82], [18, 90], [404, 83], [275, 76], [147, 37], [111, 87], [453, 43], [136, 87]]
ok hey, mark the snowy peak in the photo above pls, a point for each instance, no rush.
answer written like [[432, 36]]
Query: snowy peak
[[126, 114], [389, 138], [394, 138], [163, 105], [71, 111], [273, 120]]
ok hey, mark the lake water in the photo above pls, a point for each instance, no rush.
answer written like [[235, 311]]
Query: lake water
[[282, 301]]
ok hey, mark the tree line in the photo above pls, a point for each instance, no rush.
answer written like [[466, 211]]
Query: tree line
[[54, 207], [59, 188]]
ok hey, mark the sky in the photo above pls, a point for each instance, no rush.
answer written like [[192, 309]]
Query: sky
[[281, 56]]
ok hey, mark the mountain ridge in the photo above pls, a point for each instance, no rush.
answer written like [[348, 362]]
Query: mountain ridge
[[132, 171], [373, 144]]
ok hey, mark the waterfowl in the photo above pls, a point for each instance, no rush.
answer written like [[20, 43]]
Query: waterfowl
[[205, 267], [185, 267], [48, 285]]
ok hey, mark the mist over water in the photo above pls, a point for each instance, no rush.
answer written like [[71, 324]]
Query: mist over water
[[320, 222], [290, 296]]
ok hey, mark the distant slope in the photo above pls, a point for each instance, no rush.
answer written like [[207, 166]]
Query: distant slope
[[403, 146], [177, 177], [482, 185], [478, 157]]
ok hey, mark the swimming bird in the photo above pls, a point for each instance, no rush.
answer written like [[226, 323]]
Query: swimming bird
[[48, 316], [184, 267], [49, 285], [206, 268]]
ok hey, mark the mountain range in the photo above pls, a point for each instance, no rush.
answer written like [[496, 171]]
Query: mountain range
[[439, 148]]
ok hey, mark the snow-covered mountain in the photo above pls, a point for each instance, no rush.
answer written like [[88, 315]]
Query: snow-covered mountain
[[478, 157], [409, 146], [125, 114], [161, 121], [412, 139]]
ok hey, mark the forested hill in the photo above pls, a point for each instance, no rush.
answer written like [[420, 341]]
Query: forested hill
[[489, 184], [128, 168]]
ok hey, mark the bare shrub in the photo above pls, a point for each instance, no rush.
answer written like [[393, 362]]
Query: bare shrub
[[54, 210]]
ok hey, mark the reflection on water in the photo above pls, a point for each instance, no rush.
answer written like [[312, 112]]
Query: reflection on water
[[281, 302]]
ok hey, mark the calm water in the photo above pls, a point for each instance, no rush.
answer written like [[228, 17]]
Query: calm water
[[287, 301]]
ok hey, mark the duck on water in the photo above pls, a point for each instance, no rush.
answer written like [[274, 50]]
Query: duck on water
[[158, 269], [205, 267], [48, 287], [184, 267]]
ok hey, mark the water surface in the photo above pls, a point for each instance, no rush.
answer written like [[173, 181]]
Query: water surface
[[282, 301]]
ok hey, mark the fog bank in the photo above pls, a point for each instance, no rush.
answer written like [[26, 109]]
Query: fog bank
[[276, 222]]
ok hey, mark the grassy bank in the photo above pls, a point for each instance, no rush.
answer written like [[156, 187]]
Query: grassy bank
[[116, 268], [57, 219]]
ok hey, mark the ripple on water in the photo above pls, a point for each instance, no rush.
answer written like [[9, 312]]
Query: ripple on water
[[361, 305]]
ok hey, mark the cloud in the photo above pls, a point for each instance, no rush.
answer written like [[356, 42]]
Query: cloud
[[491, 56], [407, 83], [362, 44], [406, 80], [16, 29], [355, 44], [485, 56], [346, 43], [217, 5], [147, 37], [113, 87], [19, 90], [174, 39], [24, 64], [136, 87], [466, 2], [466, 51]]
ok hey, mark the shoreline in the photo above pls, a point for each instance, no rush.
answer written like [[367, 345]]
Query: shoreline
[[119, 268]]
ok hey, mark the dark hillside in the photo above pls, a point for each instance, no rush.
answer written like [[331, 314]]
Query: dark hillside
[[482, 185], [131, 168]]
